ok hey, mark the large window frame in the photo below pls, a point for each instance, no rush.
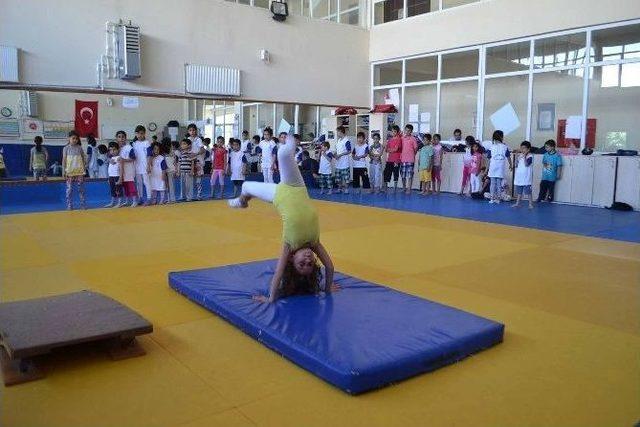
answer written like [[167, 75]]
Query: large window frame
[[583, 70], [405, 10]]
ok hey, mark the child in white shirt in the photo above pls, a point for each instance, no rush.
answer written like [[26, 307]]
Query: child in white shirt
[[198, 151], [524, 174], [158, 167], [498, 156], [324, 168], [142, 151], [237, 167], [115, 176], [267, 149]]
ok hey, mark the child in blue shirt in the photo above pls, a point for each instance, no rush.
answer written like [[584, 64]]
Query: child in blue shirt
[[551, 171]]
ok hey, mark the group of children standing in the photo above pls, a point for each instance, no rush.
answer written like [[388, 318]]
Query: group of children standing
[[143, 170]]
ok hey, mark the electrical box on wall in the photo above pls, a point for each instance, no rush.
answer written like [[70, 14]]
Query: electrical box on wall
[[129, 51]]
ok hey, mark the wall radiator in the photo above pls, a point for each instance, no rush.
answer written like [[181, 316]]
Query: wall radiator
[[9, 64], [205, 79]]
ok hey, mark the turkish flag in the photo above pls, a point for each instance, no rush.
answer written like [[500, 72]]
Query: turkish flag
[[87, 118]]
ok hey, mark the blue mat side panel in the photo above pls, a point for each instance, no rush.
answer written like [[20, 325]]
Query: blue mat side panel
[[340, 338]]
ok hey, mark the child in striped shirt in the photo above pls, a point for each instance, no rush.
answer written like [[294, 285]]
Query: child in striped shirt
[[186, 164]]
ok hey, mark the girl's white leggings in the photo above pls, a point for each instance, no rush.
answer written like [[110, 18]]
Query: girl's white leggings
[[289, 174]]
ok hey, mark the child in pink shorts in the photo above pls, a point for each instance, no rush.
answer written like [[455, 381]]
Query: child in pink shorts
[[218, 165]]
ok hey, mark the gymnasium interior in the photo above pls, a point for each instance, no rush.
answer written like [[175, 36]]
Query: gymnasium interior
[[452, 307]]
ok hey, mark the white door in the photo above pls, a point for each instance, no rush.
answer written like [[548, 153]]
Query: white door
[[604, 176], [628, 182], [563, 185], [582, 179]]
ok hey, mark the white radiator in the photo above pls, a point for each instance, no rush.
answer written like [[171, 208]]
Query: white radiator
[[205, 79], [9, 64]]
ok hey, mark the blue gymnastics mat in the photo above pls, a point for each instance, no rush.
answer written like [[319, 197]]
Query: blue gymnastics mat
[[361, 338]]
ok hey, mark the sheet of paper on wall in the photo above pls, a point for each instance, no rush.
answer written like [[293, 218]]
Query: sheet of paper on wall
[[425, 117], [415, 127], [394, 97], [425, 127], [574, 127], [130, 102], [413, 112], [284, 126], [505, 119]]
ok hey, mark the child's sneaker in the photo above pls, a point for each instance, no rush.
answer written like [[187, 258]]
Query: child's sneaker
[[110, 205], [237, 203], [134, 204]]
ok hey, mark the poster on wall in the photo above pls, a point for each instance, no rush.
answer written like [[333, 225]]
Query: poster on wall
[[546, 117], [56, 129], [30, 128], [9, 128], [505, 119], [130, 102], [86, 118]]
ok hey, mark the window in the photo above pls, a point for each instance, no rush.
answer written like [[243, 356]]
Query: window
[[387, 11], [418, 7], [387, 74], [616, 110], [325, 113], [508, 58], [615, 43], [261, 3], [225, 120], [458, 108], [446, 4], [387, 96], [307, 122], [294, 7], [286, 112], [350, 12], [320, 8], [421, 104], [559, 51], [250, 119], [556, 96], [460, 64], [421, 69], [506, 97], [265, 117]]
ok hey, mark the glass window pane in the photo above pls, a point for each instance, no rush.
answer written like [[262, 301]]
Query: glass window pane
[[249, 119], [426, 99], [387, 11], [348, 4], [261, 3], [460, 64], [325, 113], [615, 43], [616, 110], [294, 7], [244, 1], [418, 7], [320, 8], [421, 69], [387, 96], [559, 51], [510, 93], [350, 18], [508, 58], [333, 8], [556, 96], [446, 4], [286, 112], [387, 74], [305, 8], [458, 108], [265, 116], [307, 124]]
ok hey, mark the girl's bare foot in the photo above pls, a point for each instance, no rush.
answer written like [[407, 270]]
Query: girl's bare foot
[[515, 205]]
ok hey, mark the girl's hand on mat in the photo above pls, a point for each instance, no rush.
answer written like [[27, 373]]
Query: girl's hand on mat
[[335, 287], [261, 298]]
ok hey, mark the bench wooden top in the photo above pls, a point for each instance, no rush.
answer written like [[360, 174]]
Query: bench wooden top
[[36, 326]]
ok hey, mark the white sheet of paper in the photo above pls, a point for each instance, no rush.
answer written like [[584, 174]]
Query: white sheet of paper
[[413, 112], [130, 102], [284, 126], [394, 97], [425, 127], [505, 119], [425, 117], [574, 127]]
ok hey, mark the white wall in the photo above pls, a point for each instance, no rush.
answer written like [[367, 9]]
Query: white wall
[[489, 21], [313, 61]]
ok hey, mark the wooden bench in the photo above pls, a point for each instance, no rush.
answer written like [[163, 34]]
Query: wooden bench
[[34, 327]]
